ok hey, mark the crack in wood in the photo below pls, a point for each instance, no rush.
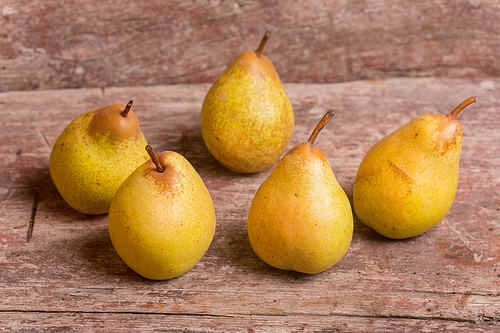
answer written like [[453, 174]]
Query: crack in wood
[[32, 218], [385, 255], [86, 291], [436, 292], [482, 318], [417, 68], [44, 138], [121, 313], [380, 316], [489, 320]]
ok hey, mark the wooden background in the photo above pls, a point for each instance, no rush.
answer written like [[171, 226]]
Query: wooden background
[[378, 64], [69, 277], [52, 44]]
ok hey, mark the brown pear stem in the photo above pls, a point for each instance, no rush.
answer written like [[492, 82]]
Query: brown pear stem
[[462, 106], [151, 153], [262, 44], [127, 109], [326, 118]]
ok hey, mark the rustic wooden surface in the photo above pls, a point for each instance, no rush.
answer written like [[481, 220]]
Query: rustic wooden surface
[[69, 277], [54, 44]]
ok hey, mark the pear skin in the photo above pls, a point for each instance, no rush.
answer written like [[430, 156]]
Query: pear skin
[[247, 119], [94, 154], [300, 218], [407, 181], [161, 223]]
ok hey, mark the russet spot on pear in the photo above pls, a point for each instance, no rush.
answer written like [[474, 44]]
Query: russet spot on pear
[[406, 183], [94, 154]]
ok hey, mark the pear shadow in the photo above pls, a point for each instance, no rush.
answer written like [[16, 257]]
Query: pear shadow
[[361, 230], [193, 148], [365, 232], [217, 177], [185, 140], [99, 252], [40, 180], [49, 200], [164, 140], [240, 251]]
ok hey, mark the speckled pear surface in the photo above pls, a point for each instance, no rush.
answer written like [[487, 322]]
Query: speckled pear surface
[[300, 218], [94, 154], [162, 223], [247, 119], [406, 183]]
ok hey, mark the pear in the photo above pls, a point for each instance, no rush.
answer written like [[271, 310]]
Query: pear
[[162, 219], [94, 154], [247, 119], [407, 181], [300, 218]]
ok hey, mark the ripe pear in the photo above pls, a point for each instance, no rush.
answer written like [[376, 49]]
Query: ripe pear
[[94, 154], [162, 219], [247, 119], [300, 218], [407, 181]]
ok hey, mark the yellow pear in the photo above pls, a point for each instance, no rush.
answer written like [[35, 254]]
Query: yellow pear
[[94, 154], [407, 181], [300, 218], [247, 119], [162, 219]]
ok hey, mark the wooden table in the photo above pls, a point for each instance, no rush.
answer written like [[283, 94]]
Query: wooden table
[[69, 277]]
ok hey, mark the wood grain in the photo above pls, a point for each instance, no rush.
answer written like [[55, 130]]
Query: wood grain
[[68, 277], [53, 44]]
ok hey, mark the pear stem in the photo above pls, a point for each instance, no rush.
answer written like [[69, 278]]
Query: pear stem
[[462, 106], [262, 44], [326, 118], [127, 109], [151, 153]]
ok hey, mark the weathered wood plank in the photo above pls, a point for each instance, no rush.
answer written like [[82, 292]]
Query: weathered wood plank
[[53, 44], [143, 322], [69, 274]]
